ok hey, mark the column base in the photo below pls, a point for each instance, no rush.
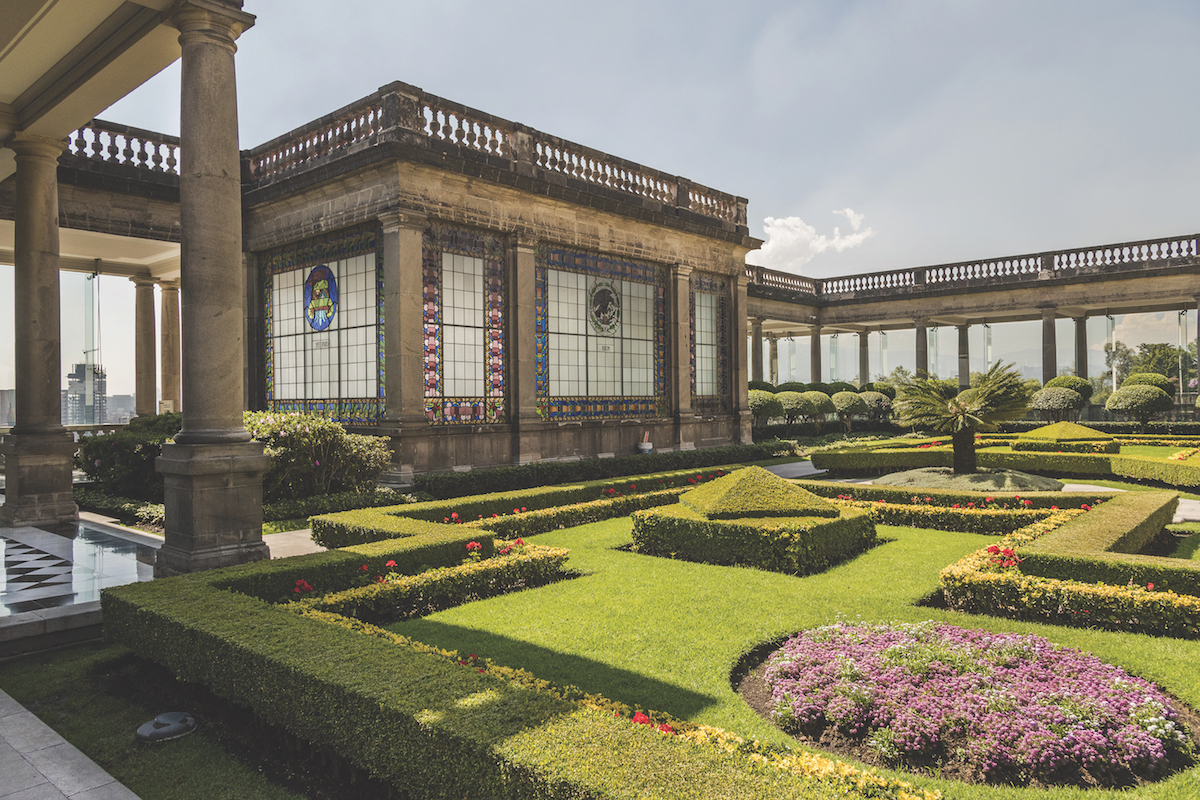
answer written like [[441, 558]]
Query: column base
[[213, 498], [37, 470], [745, 421], [685, 432]]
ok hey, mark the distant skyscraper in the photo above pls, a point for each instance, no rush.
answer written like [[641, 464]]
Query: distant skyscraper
[[86, 395], [8, 408]]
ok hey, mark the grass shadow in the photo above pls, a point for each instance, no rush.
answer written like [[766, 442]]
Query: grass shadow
[[625, 686]]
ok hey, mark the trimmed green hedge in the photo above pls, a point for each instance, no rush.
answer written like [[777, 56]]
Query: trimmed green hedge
[[950, 497], [755, 492], [793, 545], [1051, 446], [444, 485]]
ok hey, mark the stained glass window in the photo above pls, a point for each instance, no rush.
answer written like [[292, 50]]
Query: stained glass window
[[324, 324], [600, 336], [464, 326], [709, 309]]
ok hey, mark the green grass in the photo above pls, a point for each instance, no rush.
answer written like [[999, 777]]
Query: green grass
[[1188, 548], [1131, 487], [1154, 451], [284, 525], [663, 634], [68, 690]]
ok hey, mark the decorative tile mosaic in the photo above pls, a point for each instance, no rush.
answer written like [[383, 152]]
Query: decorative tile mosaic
[[610, 271], [330, 248], [488, 407]]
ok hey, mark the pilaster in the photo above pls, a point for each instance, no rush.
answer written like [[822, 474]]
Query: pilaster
[[680, 362], [521, 348], [737, 371]]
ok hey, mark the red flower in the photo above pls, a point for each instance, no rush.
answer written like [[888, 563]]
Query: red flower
[[523, 508], [1086, 507], [955, 506], [994, 550], [989, 499], [474, 546], [1149, 587], [928, 499], [515, 511], [641, 719], [453, 515], [1054, 508], [633, 487], [363, 568], [665, 728], [505, 551], [519, 542]]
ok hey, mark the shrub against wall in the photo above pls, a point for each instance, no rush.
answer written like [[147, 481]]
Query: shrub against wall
[[122, 463], [764, 405], [312, 455]]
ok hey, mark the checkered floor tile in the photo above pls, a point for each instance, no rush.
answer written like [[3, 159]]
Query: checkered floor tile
[[27, 567]]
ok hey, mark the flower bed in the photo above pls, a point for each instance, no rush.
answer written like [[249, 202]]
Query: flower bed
[[1002, 708]]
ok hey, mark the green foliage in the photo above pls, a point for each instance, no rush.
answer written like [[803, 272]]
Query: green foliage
[[849, 405], [764, 405], [330, 503], [1056, 402], [882, 387], [1141, 401], [793, 405], [754, 492], [763, 386], [311, 455], [938, 406], [794, 545], [878, 406], [791, 386], [445, 485], [817, 386], [1066, 432], [1051, 446], [840, 386], [1150, 379], [122, 463], [1073, 382], [166, 425], [136, 512]]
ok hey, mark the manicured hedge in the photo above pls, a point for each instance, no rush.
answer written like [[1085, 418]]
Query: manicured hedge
[[444, 485], [795, 545], [950, 497], [431, 723], [977, 584], [1172, 428], [1051, 446]]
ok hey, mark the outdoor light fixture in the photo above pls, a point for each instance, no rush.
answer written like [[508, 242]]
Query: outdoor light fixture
[[165, 727]]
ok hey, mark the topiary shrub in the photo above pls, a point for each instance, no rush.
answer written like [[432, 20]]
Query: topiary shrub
[[879, 406], [1074, 383], [764, 386], [883, 387], [817, 386], [1150, 379], [764, 405], [794, 406], [312, 455], [1056, 403], [791, 386], [840, 386], [1143, 402], [848, 405], [821, 405]]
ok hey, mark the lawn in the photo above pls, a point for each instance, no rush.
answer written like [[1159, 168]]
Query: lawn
[[662, 634]]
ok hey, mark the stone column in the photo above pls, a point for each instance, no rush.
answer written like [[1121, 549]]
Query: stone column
[[680, 338], [521, 345], [1081, 347], [814, 353], [169, 342], [212, 473], [922, 367], [864, 359], [964, 357], [737, 359], [1049, 344], [38, 451], [756, 353], [773, 357], [404, 343], [145, 374]]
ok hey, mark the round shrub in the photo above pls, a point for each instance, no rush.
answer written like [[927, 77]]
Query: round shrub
[[1142, 402], [840, 386], [1075, 383], [764, 405], [879, 405], [1056, 403], [817, 386], [791, 386], [1150, 379], [848, 405], [312, 455], [762, 386], [822, 404], [793, 405], [883, 387], [122, 463]]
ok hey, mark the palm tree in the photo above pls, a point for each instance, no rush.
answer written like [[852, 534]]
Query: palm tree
[[936, 406]]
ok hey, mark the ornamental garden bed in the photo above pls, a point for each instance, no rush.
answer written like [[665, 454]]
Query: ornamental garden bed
[[579, 675]]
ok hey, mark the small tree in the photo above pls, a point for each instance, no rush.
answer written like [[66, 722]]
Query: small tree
[[1075, 384], [820, 405], [1142, 402], [764, 405], [848, 405], [879, 406], [793, 406], [934, 405], [1151, 379], [1056, 403]]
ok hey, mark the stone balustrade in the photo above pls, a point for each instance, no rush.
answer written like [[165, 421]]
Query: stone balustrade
[[398, 111], [111, 143], [1174, 251]]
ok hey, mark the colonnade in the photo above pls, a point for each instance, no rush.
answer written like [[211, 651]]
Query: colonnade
[[212, 471], [921, 326]]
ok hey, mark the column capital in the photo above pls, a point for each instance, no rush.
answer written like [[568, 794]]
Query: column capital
[[212, 21], [393, 220], [682, 270], [142, 281], [32, 145], [525, 242], [168, 286]]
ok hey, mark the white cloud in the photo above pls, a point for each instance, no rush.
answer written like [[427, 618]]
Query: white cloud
[[792, 242], [1135, 329]]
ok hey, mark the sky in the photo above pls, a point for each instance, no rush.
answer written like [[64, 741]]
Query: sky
[[867, 135]]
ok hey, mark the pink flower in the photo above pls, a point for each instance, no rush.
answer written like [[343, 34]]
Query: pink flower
[[318, 463], [390, 564], [641, 719]]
